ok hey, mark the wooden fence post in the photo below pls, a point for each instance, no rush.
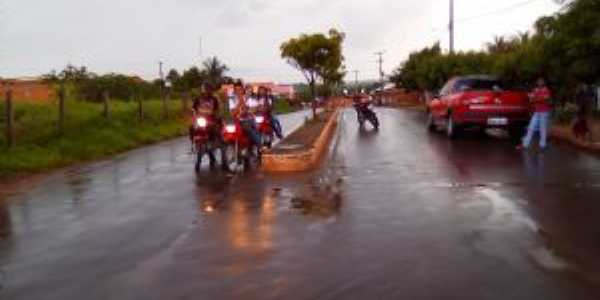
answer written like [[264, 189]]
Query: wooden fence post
[[106, 111], [140, 108], [165, 104], [184, 105], [61, 110], [10, 116]]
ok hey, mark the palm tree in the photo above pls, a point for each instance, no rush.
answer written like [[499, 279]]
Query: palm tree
[[214, 70]]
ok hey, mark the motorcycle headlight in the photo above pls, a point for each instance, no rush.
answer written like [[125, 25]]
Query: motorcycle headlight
[[201, 122], [259, 119], [230, 128]]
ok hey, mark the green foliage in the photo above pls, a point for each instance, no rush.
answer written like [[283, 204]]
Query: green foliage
[[214, 71], [88, 86], [317, 56], [282, 106], [565, 48], [87, 134], [564, 114]]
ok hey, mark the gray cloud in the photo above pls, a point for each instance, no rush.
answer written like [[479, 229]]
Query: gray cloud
[[131, 36]]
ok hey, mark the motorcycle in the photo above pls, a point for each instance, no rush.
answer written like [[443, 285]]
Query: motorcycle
[[364, 113], [202, 141], [238, 147], [265, 129]]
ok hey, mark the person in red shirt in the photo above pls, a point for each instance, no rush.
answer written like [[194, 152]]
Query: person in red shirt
[[540, 99]]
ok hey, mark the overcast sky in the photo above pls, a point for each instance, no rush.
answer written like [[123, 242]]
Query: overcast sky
[[131, 36]]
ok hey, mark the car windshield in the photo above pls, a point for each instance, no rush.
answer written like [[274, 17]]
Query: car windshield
[[479, 85]]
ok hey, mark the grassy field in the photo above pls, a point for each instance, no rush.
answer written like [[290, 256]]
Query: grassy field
[[88, 135]]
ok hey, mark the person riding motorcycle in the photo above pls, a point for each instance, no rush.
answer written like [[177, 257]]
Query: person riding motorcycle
[[265, 106], [361, 103], [241, 108], [363, 112], [208, 105]]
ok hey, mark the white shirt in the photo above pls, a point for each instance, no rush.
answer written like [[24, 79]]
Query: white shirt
[[252, 103], [233, 102]]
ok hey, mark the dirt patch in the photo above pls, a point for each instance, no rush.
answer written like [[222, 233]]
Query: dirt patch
[[565, 134], [304, 137]]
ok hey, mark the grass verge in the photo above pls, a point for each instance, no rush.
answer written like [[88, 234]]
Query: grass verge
[[87, 135]]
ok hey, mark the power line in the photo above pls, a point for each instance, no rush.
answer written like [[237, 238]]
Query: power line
[[495, 12]]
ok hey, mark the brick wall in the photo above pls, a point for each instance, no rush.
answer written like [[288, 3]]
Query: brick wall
[[32, 90]]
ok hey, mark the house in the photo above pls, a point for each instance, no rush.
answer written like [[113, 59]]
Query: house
[[27, 88], [286, 91]]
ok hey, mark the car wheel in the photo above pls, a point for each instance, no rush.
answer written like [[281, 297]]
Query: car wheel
[[431, 122], [452, 129]]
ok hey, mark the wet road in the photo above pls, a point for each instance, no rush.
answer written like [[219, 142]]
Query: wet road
[[397, 214]]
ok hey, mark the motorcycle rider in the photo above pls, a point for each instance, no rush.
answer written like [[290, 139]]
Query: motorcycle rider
[[240, 107], [207, 104], [265, 106], [363, 112]]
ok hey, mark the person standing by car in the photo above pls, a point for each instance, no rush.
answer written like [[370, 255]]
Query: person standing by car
[[540, 98]]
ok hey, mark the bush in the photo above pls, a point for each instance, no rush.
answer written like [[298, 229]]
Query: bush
[[564, 114]]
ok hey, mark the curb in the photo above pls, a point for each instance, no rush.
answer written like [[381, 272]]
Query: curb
[[302, 160]]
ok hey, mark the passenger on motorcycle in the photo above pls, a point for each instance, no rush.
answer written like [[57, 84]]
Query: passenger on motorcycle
[[240, 108], [207, 105], [265, 106]]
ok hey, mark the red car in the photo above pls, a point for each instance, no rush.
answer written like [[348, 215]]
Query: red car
[[478, 101]]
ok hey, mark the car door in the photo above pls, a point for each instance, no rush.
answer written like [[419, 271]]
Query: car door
[[440, 107]]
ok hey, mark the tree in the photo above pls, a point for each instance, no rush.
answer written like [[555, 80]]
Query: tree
[[174, 78], [214, 71], [317, 56], [192, 78]]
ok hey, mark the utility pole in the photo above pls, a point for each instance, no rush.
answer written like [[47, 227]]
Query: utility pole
[[200, 50], [451, 26], [380, 61], [162, 88], [356, 80]]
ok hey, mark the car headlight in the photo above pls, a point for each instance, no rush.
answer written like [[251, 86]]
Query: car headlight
[[230, 128], [259, 119], [201, 122]]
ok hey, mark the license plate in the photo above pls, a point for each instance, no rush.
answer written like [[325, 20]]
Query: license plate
[[497, 121]]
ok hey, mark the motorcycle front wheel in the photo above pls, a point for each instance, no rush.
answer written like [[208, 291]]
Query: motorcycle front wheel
[[232, 155]]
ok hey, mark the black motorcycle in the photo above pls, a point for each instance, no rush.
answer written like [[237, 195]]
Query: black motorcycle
[[364, 113]]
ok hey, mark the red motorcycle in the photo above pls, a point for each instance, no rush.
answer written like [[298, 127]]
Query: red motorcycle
[[202, 141], [265, 129], [238, 146]]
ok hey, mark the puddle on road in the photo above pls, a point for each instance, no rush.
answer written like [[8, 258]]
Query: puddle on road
[[506, 212], [504, 209], [546, 259], [321, 196]]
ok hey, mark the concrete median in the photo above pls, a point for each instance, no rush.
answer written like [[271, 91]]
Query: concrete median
[[290, 157]]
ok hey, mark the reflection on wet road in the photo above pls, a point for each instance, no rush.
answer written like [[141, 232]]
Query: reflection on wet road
[[395, 214]]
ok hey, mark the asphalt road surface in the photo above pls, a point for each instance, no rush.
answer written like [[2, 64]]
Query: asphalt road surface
[[395, 214]]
